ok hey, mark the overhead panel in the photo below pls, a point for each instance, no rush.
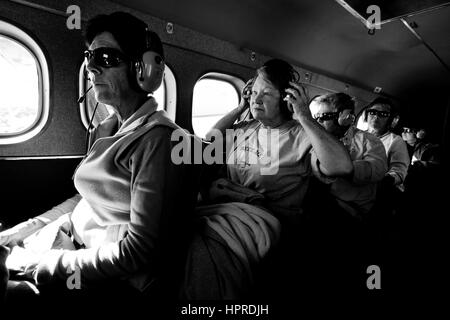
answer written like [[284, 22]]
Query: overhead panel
[[391, 10]]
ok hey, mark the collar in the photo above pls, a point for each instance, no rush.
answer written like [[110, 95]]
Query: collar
[[283, 127], [385, 134], [139, 117]]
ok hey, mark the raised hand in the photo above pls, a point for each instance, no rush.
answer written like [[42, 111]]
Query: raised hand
[[245, 96], [297, 100]]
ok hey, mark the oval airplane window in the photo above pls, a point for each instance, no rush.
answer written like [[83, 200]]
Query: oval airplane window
[[214, 96], [24, 86], [165, 96]]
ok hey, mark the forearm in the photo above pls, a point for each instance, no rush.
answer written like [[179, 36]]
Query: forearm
[[398, 171], [398, 161], [226, 122], [333, 156]]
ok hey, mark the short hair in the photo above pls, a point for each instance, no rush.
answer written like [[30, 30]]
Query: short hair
[[386, 102], [128, 31], [279, 73], [340, 100]]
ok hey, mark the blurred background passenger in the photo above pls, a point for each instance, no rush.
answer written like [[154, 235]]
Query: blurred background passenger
[[382, 117], [423, 153], [354, 193]]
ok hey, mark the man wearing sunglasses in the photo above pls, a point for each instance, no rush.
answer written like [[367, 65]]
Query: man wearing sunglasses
[[381, 117], [134, 200], [340, 207], [356, 193]]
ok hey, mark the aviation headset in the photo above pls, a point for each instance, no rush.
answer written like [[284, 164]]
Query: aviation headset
[[140, 46], [149, 68], [147, 59], [394, 117]]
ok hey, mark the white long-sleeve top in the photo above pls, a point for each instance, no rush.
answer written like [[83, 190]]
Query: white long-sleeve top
[[127, 182]]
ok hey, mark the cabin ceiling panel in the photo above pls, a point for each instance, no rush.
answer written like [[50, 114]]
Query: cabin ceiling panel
[[321, 36]]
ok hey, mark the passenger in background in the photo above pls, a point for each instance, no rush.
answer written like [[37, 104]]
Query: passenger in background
[[269, 165], [355, 193], [127, 220], [381, 117], [279, 105], [425, 167], [422, 152], [340, 209]]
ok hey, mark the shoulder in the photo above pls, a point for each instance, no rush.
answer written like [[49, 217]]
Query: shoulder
[[396, 138], [157, 130], [398, 142], [360, 134], [392, 141], [367, 136], [368, 142]]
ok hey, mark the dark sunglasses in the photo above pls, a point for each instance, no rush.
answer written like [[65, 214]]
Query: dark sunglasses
[[409, 130], [321, 117], [381, 114], [105, 57]]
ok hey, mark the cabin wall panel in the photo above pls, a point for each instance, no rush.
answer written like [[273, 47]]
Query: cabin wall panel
[[30, 187], [62, 135]]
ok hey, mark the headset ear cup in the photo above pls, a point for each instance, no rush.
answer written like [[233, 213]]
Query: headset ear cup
[[346, 118], [394, 122]]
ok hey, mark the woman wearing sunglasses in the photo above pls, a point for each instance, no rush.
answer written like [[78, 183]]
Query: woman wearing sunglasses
[[381, 117], [118, 227]]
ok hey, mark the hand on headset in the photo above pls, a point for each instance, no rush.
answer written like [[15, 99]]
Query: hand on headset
[[346, 118], [245, 96], [297, 100]]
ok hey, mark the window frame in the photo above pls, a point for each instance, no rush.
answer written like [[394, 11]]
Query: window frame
[[21, 37], [236, 82], [170, 94]]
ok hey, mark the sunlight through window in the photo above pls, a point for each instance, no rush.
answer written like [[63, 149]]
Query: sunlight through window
[[212, 100], [19, 87]]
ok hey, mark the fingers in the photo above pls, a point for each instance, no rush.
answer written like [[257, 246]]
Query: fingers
[[247, 90], [290, 107], [298, 91], [296, 96], [291, 100]]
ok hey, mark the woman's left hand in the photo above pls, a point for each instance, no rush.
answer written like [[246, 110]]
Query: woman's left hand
[[23, 260], [297, 101]]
